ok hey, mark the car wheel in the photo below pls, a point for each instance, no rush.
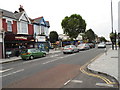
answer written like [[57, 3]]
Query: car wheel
[[64, 52], [44, 54], [31, 57]]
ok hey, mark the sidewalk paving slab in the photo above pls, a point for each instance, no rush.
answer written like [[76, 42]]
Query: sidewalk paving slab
[[106, 64]]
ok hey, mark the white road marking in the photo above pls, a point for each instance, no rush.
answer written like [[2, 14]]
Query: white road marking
[[12, 73], [50, 61], [1, 71], [104, 84], [77, 81], [58, 59], [67, 82], [29, 61]]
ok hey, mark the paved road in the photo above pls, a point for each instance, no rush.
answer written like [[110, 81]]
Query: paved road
[[52, 71]]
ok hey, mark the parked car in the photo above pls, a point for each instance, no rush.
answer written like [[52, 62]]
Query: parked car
[[91, 45], [31, 54], [108, 43], [83, 46], [101, 45], [70, 49]]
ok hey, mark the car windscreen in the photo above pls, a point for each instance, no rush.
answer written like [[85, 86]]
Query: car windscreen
[[67, 47], [81, 45]]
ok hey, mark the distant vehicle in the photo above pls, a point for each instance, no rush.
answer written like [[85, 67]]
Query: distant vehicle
[[70, 49], [108, 43], [91, 45], [101, 45], [83, 46], [32, 53]]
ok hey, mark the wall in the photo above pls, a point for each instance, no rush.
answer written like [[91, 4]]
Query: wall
[[30, 29], [14, 27], [4, 24]]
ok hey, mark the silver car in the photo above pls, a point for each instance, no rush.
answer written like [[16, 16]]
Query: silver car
[[83, 46], [70, 49], [101, 45]]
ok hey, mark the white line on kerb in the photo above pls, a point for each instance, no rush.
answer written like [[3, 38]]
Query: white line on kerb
[[76, 81], [12, 73], [67, 82], [104, 84], [1, 71]]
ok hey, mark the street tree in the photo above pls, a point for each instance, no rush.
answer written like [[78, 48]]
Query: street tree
[[53, 36], [73, 25], [90, 35], [102, 39]]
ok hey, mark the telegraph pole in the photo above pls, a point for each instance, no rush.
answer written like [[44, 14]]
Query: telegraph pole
[[111, 17]]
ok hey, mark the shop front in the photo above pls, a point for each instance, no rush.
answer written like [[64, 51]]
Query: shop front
[[15, 43], [42, 43]]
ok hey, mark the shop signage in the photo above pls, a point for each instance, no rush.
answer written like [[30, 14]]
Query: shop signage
[[20, 38], [40, 39]]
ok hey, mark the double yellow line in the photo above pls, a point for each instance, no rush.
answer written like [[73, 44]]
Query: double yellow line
[[82, 69]]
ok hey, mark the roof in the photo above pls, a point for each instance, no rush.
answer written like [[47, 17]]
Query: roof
[[47, 23], [37, 20], [7, 13], [18, 15]]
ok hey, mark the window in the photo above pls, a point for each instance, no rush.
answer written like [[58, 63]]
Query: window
[[42, 30], [9, 26], [24, 27], [37, 29]]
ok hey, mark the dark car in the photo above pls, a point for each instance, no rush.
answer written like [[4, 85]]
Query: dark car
[[91, 45]]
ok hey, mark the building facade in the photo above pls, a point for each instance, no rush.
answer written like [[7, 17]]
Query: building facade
[[19, 32], [41, 33]]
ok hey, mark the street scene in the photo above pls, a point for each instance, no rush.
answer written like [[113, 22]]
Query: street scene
[[35, 53]]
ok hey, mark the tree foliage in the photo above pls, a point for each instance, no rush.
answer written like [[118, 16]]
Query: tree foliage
[[73, 25], [53, 36], [102, 39], [90, 35]]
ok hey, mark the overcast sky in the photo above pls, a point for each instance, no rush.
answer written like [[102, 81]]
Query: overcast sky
[[97, 13]]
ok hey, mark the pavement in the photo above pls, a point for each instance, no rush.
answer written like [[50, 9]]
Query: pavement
[[106, 64], [11, 59]]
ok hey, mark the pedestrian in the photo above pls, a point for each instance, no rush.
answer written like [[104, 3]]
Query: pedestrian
[[105, 51]]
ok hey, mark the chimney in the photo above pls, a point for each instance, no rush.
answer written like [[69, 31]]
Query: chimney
[[21, 8]]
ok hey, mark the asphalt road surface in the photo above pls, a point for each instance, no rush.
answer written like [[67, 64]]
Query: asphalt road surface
[[53, 71]]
